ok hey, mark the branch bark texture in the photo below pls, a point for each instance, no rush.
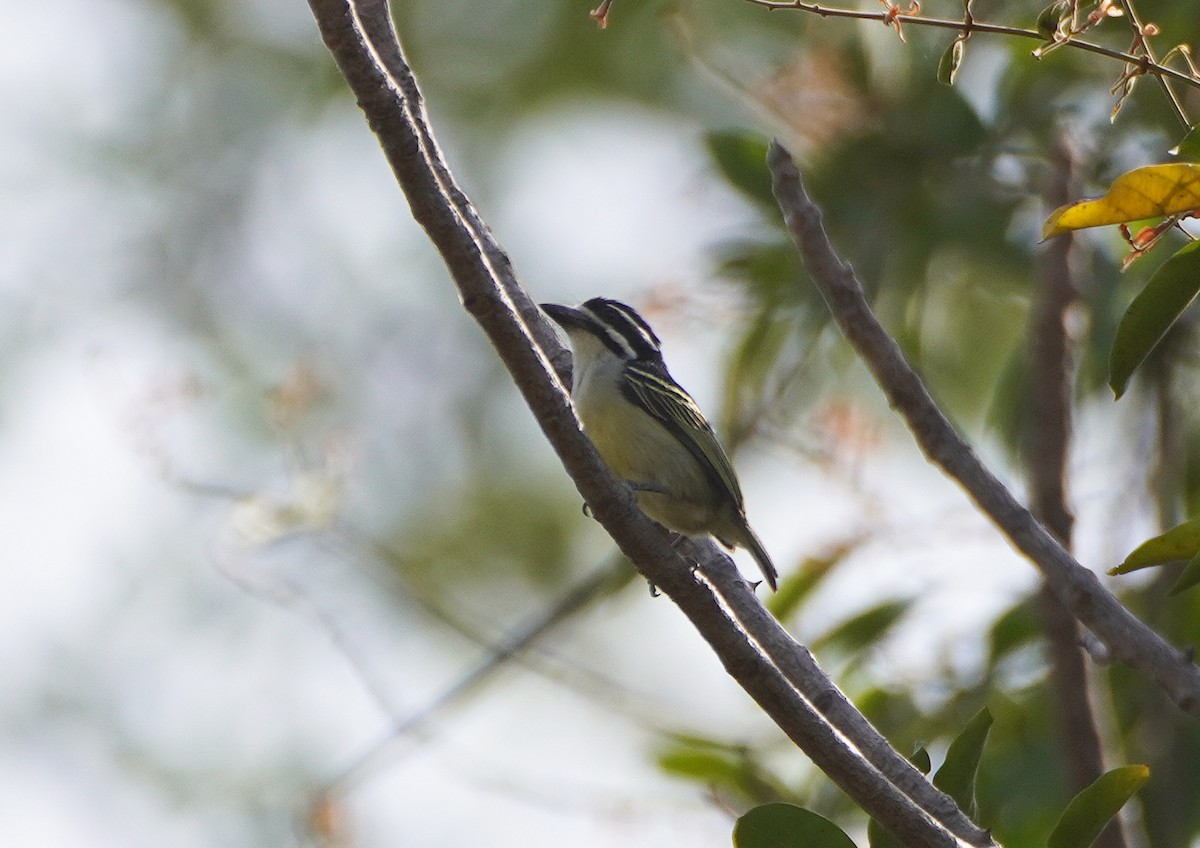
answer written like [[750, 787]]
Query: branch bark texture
[[777, 672], [1080, 591]]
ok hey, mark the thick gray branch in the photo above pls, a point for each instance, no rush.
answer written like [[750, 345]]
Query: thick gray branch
[[1125, 636], [778, 673]]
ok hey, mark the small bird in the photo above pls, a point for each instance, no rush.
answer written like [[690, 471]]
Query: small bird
[[649, 430]]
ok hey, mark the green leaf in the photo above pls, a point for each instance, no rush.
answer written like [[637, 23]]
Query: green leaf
[[1007, 411], [742, 159], [956, 777], [796, 587], [1189, 148], [769, 269], [1180, 542], [891, 708], [951, 59], [1090, 810], [865, 629], [745, 378], [1016, 627], [1152, 313], [728, 767], [705, 766], [1190, 576], [787, 826]]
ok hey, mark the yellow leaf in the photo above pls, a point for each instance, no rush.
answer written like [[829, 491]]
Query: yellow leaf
[[1154, 191]]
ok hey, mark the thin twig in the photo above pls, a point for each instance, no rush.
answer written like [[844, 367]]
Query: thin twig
[[416, 723], [972, 26], [1126, 637], [1139, 35], [360, 35]]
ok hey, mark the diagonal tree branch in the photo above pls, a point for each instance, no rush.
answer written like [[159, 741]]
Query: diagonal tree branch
[[1125, 636], [777, 672]]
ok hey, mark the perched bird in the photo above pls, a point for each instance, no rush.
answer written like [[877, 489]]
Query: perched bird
[[649, 430]]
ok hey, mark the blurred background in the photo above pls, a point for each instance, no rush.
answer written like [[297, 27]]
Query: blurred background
[[272, 505]]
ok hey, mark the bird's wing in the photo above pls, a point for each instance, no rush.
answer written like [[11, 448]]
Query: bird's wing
[[652, 388]]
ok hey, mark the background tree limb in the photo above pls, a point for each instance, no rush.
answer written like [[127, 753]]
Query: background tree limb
[[1048, 435], [1123, 634]]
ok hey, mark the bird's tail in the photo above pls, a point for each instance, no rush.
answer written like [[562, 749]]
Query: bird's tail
[[755, 546]]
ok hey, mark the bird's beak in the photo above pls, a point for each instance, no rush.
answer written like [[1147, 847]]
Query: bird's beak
[[566, 317]]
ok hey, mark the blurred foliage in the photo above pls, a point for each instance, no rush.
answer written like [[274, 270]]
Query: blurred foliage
[[934, 203], [227, 244], [797, 586], [1085, 816], [957, 774], [730, 771]]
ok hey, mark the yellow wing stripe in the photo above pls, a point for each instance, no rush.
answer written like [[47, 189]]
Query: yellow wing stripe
[[666, 401]]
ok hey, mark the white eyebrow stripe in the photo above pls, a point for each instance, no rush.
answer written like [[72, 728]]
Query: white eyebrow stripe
[[615, 335], [636, 323]]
